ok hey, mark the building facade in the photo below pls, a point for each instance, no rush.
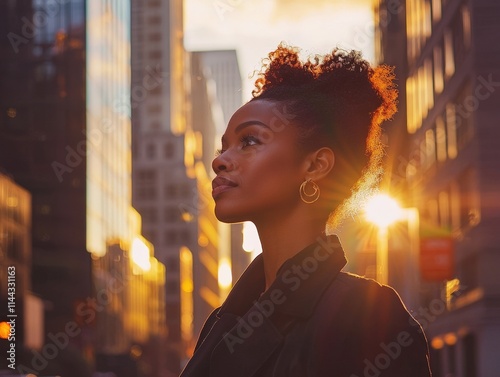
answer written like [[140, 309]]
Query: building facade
[[221, 88], [21, 317], [452, 168], [170, 180]]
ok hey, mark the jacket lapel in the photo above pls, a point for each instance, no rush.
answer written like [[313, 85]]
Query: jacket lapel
[[298, 287], [250, 327], [246, 347]]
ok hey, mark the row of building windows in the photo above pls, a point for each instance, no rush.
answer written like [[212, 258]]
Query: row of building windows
[[456, 207], [171, 237], [147, 190], [451, 132], [153, 151], [430, 78], [171, 214], [422, 16], [150, 193]]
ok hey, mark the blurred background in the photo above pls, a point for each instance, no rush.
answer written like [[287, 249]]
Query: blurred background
[[110, 112]]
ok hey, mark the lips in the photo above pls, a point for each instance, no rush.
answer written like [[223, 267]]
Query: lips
[[221, 184]]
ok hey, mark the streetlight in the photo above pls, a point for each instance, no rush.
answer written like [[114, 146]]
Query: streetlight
[[382, 210]]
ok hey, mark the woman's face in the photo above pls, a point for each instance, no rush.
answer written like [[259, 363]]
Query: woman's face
[[260, 165]]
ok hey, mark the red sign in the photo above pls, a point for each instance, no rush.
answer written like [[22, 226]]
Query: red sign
[[437, 258]]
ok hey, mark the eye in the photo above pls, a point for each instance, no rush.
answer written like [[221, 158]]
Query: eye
[[245, 140], [249, 140]]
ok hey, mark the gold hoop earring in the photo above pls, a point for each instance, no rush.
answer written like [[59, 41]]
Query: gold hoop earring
[[309, 198]]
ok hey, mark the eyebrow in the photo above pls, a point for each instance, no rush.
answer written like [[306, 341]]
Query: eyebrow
[[246, 124], [249, 123]]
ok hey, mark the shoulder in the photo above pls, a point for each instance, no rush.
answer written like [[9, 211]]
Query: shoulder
[[359, 319], [360, 291], [365, 302]]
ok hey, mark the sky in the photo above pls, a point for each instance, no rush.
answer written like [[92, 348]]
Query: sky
[[256, 27]]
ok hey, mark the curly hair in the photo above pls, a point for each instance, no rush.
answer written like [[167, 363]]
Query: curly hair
[[338, 100]]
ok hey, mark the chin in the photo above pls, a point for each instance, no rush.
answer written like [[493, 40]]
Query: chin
[[228, 215]]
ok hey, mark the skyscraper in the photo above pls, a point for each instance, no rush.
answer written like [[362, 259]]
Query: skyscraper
[[218, 71], [452, 169], [169, 177], [66, 137]]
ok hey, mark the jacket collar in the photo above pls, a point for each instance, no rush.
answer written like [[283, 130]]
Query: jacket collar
[[299, 284], [251, 326]]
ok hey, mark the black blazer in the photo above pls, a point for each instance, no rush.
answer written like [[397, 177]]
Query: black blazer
[[313, 321]]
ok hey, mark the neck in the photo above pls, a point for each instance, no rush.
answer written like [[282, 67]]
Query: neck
[[283, 239]]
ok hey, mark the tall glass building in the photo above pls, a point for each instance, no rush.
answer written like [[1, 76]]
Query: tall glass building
[[65, 135]]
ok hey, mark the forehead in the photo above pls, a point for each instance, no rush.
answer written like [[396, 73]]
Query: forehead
[[258, 109], [273, 114]]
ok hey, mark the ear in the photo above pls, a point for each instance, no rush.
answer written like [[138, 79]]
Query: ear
[[320, 163]]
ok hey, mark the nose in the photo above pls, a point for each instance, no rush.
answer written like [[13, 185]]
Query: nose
[[222, 163]]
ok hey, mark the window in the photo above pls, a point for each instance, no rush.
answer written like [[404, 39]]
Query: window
[[147, 176], [171, 191], [151, 151], [444, 209], [466, 104], [436, 361], [452, 357], [154, 109], [430, 148], [156, 90], [440, 139], [171, 238], [146, 193], [185, 236], [438, 70], [172, 214], [155, 54], [172, 287], [149, 214], [169, 150], [449, 58], [451, 130], [469, 355], [436, 10], [469, 199], [172, 264], [466, 25], [155, 125], [154, 37], [154, 20]]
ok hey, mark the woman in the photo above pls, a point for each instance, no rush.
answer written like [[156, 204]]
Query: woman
[[293, 161]]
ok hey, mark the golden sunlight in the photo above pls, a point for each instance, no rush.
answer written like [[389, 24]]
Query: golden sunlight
[[382, 210]]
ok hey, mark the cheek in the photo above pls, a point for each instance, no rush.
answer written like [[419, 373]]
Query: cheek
[[280, 170]]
